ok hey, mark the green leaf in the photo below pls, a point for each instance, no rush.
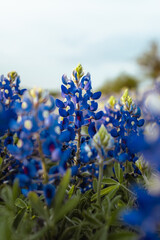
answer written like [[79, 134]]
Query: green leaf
[[112, 193], [109, 181], [7, 196], [91, 219], [105, 191], [115, 200], [37, 205], [121, 176], [38, 235], [101, 234], [66, 208], [122, 236], [6, 193], [16, 190], [5, 229], [68, 232], [18, 218], [71, 191], [1, 160], [95, 184], [20, 203], [62, 190], [118, 172]]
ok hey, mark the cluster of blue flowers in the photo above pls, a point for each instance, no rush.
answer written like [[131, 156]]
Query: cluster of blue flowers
[[78, 112], [10, 94], [38, 146], [79, 106], [123, 123]]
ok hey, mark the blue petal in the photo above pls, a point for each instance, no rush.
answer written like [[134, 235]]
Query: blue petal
[[65, 136], [92, 129], [59, 104], [49, 192], [63, 112], [98, 115], [94, 106], [114, 133], [64, 79], [140, 123], [64, 89], [96, 95], [123, 157]]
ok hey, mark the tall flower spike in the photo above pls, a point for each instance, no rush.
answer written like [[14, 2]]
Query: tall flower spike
[[79, 115], [123, 123]]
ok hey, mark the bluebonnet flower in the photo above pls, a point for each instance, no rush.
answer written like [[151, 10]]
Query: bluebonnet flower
[[10, 91], [49, 192], [78, 110], [123, 123], [10, 94], [79, 106], [38, 141]]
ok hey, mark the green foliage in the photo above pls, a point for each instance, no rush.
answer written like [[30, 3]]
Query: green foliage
[[122, 81], [72, 215], [150, 61]]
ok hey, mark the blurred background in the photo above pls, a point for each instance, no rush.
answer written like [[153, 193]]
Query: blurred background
[[116, 41]]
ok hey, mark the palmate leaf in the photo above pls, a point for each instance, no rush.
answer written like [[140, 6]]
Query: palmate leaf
[[109, 181], [112, 193], [105, 191]]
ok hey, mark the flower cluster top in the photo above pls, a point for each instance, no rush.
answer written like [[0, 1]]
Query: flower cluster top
[[79, 107]]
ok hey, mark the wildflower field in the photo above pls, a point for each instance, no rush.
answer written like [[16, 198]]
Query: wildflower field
[[72, 170]]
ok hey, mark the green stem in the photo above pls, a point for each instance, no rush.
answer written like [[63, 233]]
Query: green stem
[[100, 177], [45, 174]]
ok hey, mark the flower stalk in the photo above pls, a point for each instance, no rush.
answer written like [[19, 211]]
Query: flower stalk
[[100, 177], [45, 174]]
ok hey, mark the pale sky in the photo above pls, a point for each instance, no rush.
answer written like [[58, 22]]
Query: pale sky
[[41, 40]]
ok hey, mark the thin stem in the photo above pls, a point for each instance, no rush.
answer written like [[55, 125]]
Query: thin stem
[[45, 175], [100, 177]]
